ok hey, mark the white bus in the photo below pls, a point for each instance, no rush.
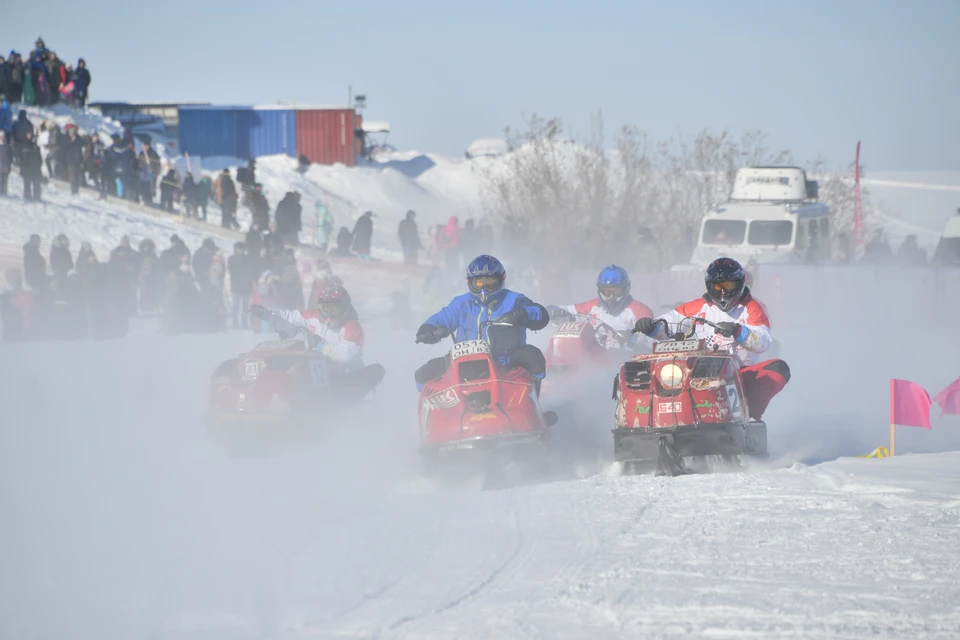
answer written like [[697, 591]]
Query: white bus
[[772, 216]]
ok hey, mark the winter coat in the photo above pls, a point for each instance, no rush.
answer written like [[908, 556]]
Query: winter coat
[[29, 92], [6, 118], [170, 182], [6, 157], [242, 274], [31, 162], [289, 215], [409, 235], [324, 225], [261, 208], [203, 191], [202, 261], [61, 262], [20, 128], [34, 267], [449, 237], [72, 151], [81, 78], [189, 190], [151, 159], [54, 77], [225, 188], [363, 234], [465, 314]]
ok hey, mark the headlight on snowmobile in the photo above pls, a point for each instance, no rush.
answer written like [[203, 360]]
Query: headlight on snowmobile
[[671, 376]]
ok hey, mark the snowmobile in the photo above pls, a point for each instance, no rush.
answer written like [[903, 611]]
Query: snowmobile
[[280, 389], [480, 415], [682, 408]]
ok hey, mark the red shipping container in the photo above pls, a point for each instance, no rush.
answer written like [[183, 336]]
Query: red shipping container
[[327, 136]]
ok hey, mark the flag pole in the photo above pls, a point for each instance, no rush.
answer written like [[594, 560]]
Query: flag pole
[[893, 428]]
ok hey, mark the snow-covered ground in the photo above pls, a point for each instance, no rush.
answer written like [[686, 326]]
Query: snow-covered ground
[[122, 520]]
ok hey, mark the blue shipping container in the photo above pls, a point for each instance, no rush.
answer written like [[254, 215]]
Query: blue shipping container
[[266, 132], [210, 131]]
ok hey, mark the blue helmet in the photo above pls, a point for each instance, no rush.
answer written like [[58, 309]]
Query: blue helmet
[[613, 288], [485, 276]]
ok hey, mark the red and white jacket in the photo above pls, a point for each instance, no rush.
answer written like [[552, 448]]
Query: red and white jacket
[[623, 321], [748, 313], [342, 343]]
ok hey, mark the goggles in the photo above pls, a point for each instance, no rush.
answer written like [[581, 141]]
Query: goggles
[[331, 309], [485, 283], [728, 286], [611, 290]]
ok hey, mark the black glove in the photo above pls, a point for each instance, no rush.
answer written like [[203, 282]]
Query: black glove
[[517, 317], [728, 329], [258, 311], [646, 326], [558, 314], [430, 334]]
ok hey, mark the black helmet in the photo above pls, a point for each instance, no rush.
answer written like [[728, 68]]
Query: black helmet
[[726, 282]]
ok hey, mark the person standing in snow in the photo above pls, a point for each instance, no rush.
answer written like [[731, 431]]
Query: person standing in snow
[[81, 83], [20, 128], [259, 207], [204, 188], [73, 158], [61, 260], [409, 238], [168, 189], [289, 218], [363, 235], [189, 196], [242, 278], [226, 192], [6, 162], [448, 240], [324, 225], [34, 266], [31, 167], [6, 115]]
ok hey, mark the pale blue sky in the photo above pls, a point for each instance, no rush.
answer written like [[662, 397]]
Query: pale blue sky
[[816, 75]]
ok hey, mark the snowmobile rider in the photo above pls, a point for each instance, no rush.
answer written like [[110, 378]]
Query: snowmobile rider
[[743, 325], [613, 306], [334, 322], [488, 300]]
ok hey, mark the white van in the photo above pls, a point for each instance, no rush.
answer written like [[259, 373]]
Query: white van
[[772, 216], [948, 249]]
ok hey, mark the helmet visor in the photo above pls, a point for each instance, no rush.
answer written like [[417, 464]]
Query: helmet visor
[[485, 283], [610, 292], [331, 309]]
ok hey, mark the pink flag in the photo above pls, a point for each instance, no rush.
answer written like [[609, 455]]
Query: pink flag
[[949, 398], [909, 404]]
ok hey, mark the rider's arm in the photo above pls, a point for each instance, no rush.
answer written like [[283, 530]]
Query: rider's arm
[[755, 332], [537, 315], [448, 317], [292, 316]]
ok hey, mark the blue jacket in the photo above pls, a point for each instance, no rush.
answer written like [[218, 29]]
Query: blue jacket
[[465, 313], [6, 118]]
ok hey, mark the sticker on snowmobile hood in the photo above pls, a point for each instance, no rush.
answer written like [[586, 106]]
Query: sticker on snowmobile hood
[[701, 384], [569, 330], [670, 407], [674, 347], [442, 400], [279, 345], [469, 348]]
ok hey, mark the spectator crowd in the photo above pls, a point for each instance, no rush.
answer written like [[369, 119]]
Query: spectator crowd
[[59, 295], [43, 79]]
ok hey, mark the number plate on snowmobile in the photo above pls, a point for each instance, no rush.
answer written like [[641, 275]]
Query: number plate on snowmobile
[[469, 348], [677, 346]]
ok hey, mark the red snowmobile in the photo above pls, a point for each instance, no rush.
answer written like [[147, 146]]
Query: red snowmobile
[[575, 343], [280, 389], [682, 408], [480, 410]]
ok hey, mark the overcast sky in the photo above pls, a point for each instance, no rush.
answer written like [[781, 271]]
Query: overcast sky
[[816, 76]]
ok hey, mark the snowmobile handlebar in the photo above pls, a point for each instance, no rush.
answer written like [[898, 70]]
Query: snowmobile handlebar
[[679, 335]]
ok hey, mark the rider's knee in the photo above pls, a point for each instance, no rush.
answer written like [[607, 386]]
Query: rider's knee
[[779, 366], [432, 370]]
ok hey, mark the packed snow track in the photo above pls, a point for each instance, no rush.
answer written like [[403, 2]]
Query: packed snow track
[[122, 520]]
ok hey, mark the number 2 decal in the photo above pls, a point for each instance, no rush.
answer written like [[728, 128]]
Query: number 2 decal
[[734, 399]]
